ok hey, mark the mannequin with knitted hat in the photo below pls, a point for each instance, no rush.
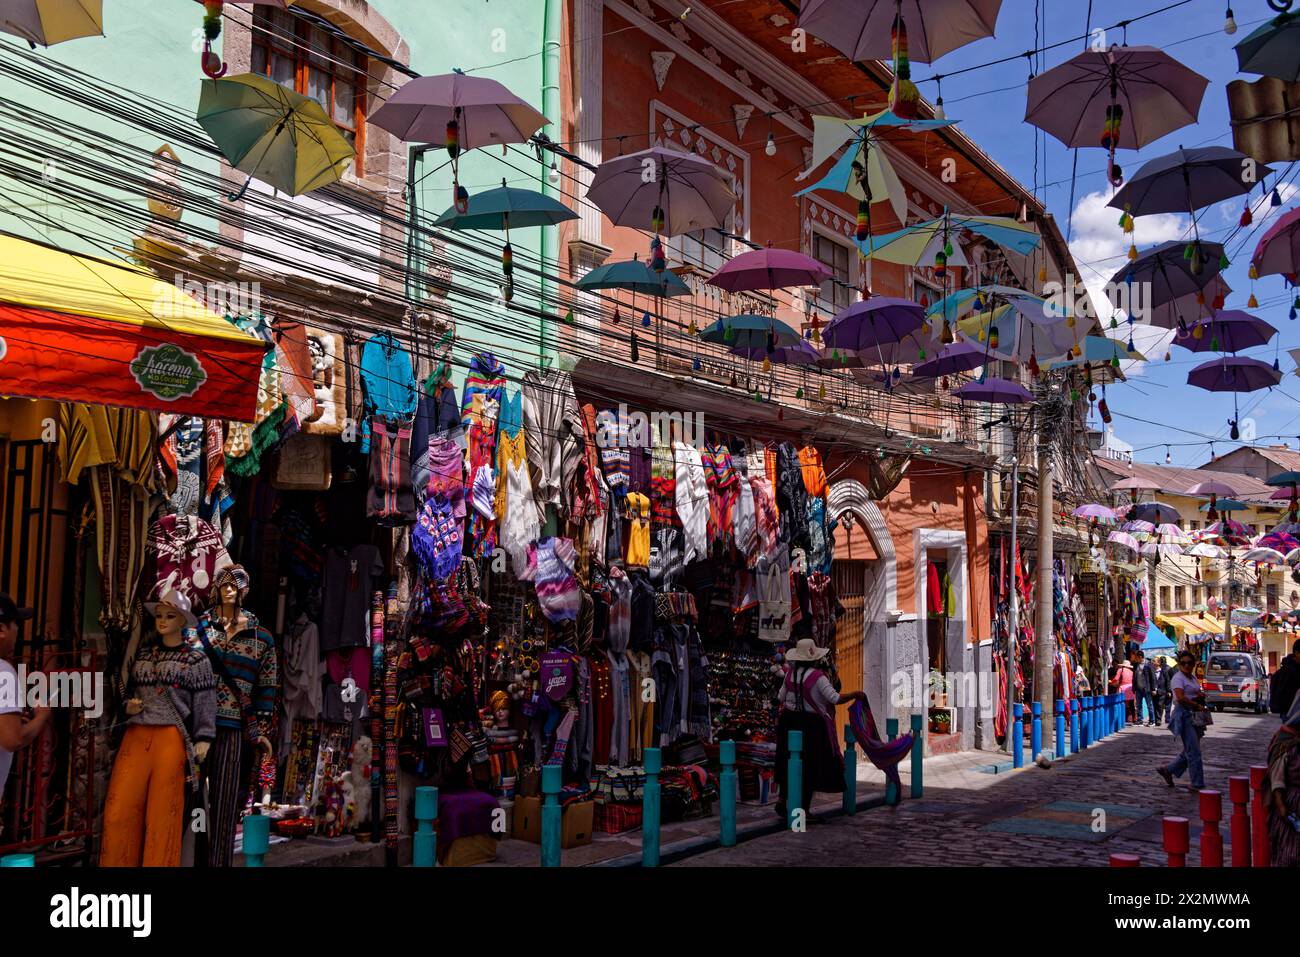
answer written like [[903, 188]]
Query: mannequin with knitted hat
[[246, 668]]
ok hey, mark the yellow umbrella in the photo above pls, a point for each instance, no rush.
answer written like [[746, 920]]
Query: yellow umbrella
[[52, 21], [271, 132]]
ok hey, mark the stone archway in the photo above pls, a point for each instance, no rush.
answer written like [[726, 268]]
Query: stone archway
[[850, 497]]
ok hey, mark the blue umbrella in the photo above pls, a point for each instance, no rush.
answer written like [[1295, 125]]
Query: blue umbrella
[[1273, 49], [634, 275], [504, 208], [751, 332], [1156, 640]]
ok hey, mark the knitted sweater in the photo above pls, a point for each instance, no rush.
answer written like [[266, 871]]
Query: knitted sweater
[[551, 569], [185, 676], [250, 659]]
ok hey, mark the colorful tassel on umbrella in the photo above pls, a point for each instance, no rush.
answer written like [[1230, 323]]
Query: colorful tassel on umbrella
[[864, 220], [904, 97]]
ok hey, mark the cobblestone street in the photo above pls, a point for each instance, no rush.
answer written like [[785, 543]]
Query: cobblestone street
[[973, 818]]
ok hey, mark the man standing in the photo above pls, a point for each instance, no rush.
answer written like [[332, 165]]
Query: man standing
[[1160, 690], [15, 730], [1285, 682], [1143, 682]]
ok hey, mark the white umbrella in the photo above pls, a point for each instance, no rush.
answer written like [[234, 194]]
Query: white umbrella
[[1124, 539], [1269, 555]]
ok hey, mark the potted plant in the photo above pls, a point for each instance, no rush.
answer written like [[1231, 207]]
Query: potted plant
[[938, 689]]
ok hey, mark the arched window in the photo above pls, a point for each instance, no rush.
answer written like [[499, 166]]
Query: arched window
[[298, 52]]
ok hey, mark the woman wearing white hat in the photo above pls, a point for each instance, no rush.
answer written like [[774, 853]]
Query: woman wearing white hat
[[808, 702]]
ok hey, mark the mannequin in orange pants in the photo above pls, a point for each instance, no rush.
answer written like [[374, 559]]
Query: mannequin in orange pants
[[172, 720]]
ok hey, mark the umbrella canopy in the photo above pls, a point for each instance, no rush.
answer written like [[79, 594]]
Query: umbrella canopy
[[506, 207], [1228, 330], [953, 358], [1161, 549], [1156, 640], [860, 29], [1171, 534], [1134, 484], [484, 111], [692, 193], [1158, 95], [982, 299], [1181, 310], [1225, 505], [1272, 49], [1270, 556], [1155, 512], [1283, 479], [96, 332], [634, 275], [1096, 512], [996, 391], [1228, 533], [1234, 374], [272, 133], [1017, 340], [1187, 180], [880, 319], [1101, 353], [1138, 526], [802, 353], [1125, 539], [914, 245], [1278, 250], [47, 22], [1169, 273], [1204, 549], [1281, 541], [1211, 488], [769, 269], [750, 332], [1283, 494]]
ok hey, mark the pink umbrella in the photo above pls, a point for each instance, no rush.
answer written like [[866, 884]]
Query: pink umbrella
[[1270, 556], [1095, 512], [1124, 539], [860, 29], [484, 112], [1138, 527], [769, 269], [1278, 251], [1211, 488], [664, 190]]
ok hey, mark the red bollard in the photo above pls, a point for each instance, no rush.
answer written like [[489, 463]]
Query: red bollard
[[1125, 860], [1239, 792], [1178, 840], [1259, 816], [1211, 839]]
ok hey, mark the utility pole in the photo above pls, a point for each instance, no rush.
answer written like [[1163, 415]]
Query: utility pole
[[1013, 614], [1044, 642]]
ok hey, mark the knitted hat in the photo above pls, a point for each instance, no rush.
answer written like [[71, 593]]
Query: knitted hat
[[230, 575]]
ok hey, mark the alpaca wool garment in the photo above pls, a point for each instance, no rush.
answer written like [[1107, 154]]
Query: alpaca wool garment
[[723, 485], [388, 381], [744, 527], [554, 429], [692, 500], [638, 538], [551, 570], [516, 511], [437, 419], [485, 386], [663, 486], [765, 518]]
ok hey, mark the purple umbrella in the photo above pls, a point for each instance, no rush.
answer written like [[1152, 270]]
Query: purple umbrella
[[1229, 330], [1095, 512], [484, 110], [801, 353], [687, 190], [1169, 272], [1234, 374], [860, 29], [1185, 309], [1002, 391], [1187, 180], [769, 269], [873, 322], [953, 358]]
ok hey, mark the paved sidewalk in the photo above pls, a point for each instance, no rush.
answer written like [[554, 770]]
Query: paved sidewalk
[[1030, 817]]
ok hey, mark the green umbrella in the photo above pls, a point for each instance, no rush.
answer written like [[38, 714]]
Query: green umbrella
[[751, 332], [504, 208], [636, 276], [1273, 49], [268, 131]]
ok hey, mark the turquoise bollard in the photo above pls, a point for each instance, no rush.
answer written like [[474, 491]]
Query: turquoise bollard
[[794, 779], [653, 763], [552, 814], [425, 845], [918, 757], [1018, 735], [257, 838], [892, 796], [18, 860], [1073, 705], [850, 771], [1060, 728], [1036, 731], [727, 789]]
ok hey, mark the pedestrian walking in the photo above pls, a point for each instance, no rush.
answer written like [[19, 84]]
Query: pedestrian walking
[[1285, 682], [1160, 689], [1190, 718], [1143, 682], [808, 701], [1282, 791], [1121, 682]]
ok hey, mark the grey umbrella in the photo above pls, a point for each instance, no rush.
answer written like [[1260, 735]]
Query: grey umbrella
[[860, 29], [1170, 272], [1273, 49], [1189, 179], [686, 190]]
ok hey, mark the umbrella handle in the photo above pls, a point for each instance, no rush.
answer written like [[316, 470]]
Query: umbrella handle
[[211, 62], [238, 194]]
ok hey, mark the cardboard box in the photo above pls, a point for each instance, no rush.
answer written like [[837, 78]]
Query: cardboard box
[[575, 825]]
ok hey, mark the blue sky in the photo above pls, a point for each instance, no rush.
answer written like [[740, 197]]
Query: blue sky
[[992, 115]]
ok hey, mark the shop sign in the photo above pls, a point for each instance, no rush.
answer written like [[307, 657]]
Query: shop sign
[[168, 371]]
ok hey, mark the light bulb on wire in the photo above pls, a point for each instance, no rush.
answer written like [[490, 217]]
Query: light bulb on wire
[[1229, 23], [553, 176], [1169, 459], [770, 148]]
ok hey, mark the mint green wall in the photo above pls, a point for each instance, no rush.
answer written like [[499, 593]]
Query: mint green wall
[[148, 47]]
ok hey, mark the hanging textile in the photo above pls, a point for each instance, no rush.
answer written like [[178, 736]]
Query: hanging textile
[[554, 428], [485, 385], [387, 382]]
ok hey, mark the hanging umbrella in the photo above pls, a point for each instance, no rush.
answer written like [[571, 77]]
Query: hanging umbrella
[[634, 275], [1292, 557], [1102, 356], [1133, 94], [1155, 512], [659, 187], [506, 207], [1269, 556], [1161, 549], [1282, 494], [1005, 335], [1138, 526], [1283, 479], [272, 133], [880, 319], [954, 358], [1281, 541], [860, 29], [1168, 272], [1187, 180], [1272, 49], [802, 353], [1124, 539], [1278, 250], [750, 332], [982, 299], [453, 109], [1179, 312], [1211, 488], [916, 245], [47, 22], [1228, 330], [1095, 512], [769, 269], [1171, 534], [1227, 534], [1234, 374], [1225, 505], [996, 391], [1204, 549]]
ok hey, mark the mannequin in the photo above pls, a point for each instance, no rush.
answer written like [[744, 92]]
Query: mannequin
[[171, 711], [246, 669]]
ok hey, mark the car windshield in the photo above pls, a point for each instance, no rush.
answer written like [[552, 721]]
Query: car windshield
[[1229, 665]]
